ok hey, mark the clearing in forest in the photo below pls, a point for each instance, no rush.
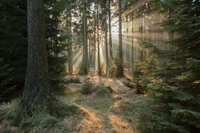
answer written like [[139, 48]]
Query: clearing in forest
[[111, 112]]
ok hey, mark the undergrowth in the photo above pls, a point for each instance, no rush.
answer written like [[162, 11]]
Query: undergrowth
[[40, 122]]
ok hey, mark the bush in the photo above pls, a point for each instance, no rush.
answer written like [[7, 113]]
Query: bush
[[73, 80], [102, 90], [87, 87], [128, 84]]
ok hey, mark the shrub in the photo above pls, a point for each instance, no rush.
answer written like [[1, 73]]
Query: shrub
[[73, 80], [87, 87], [102, 90]]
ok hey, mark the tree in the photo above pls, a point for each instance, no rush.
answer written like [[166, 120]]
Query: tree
[[120, 70], [84, 67], [37, 87], [98, 42], [110, 28], [174, 88], [13, 40]]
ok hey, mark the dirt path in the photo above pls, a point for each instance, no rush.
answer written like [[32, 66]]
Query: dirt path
[[113, 114]]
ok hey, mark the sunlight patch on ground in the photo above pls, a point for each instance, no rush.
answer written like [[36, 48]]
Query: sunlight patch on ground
[[119, 124]]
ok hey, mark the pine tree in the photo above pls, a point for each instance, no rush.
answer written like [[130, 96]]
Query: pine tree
[[13, 39], [174, 88], [5, 88], [37, 87]]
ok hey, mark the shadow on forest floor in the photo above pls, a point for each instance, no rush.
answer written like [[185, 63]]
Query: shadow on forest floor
[[110, 111], [114, 113]]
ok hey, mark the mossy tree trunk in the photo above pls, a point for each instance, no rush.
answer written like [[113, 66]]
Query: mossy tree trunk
[[37, 87]]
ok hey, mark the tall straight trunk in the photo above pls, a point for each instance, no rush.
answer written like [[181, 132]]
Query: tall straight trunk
[[94, 41], [85, 45], [98, 44], [120, 70], [70, 56], [132, 53], [141, 35], [110, 32], [37, 87], [106, 40], [127, 43]]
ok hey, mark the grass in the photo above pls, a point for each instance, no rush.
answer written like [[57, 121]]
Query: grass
[[108, 109], [104, 112]]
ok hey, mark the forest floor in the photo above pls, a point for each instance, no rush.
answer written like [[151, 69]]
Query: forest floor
[[113, 113]]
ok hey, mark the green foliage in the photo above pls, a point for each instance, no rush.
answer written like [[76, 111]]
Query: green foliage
[[56, 44], [56, 108], [13, 39], [128, 84], [5, 89], [73, 80], [14, 116], [41, 123], [173, 105], [103, 91], [87, 87]]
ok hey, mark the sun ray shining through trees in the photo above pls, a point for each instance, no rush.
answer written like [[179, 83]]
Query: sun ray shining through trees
[[123, 66]]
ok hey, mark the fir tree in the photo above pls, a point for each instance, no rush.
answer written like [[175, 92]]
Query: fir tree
[[174, 89]]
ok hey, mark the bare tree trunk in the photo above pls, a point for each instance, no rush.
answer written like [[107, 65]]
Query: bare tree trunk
[[37, 87], [120, 69], [98, 44], [110, 32], [70, 56], [84, 68], [106, 39]]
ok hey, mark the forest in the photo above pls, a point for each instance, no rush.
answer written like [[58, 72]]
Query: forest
[[100, 66]]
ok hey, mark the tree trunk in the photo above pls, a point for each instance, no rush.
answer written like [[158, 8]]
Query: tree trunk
[[120, 70], [110, 32], [106, 40], [37, 85], [85, 46], [70, 56], [98, 44]]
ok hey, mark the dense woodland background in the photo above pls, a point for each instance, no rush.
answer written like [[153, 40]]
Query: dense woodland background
[[153, 43]]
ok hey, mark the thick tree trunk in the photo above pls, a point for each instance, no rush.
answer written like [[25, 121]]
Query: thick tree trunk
[[37, 85], [120, 70]]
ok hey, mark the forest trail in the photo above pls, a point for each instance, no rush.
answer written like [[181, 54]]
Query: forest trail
[[108, 114]]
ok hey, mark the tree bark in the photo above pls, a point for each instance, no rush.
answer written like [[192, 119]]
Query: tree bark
[[110, 32], [85, 45], [106, 39], [69, 41], [98, 43], [120, 69], [37, 85]]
